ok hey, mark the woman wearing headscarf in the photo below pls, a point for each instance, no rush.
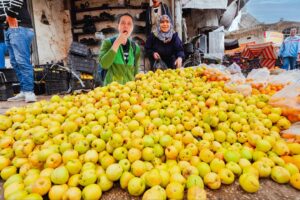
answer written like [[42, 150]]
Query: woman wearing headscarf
[[165, 44]]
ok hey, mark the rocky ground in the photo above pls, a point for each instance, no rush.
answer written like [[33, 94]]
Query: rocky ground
[[269, 190]]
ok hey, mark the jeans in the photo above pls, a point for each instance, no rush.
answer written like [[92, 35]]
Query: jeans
[[18, 41], [289, 63], [2, 55]]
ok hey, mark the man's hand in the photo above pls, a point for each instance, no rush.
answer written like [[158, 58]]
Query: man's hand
[[12, 22], [121, 39], [178, 62], [156, 56]]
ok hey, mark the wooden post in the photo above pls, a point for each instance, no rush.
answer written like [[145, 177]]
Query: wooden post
[[178, 17], [173, 9], [35, 52]]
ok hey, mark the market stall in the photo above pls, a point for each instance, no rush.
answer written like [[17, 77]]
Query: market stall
[[265, 52], [201, 132]]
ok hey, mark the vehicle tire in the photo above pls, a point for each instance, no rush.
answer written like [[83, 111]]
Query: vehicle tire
[[190, 62]]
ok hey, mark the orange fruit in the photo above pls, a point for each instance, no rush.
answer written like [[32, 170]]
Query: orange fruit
[[287, 159], [210, 102], [295, 180], [296, 160], [287, 136]]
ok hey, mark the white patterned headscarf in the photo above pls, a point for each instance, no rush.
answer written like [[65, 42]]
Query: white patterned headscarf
[[164, 36]]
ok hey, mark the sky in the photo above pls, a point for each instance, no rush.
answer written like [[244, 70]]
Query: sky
[[271, 11]]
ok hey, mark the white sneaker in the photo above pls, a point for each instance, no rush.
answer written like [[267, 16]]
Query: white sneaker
[[18, 97], [30, 97]]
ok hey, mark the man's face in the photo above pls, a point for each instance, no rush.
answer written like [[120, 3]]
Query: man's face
[[125, 25], [155, 2], [293, 32]]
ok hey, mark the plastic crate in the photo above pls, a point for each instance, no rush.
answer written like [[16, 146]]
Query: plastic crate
[[56, 86], [56, 74], [79, 49], [39, 74], [6, 91], [88, 84], [2, 78], [39, 88], [87, 65], [16, 88], [40, 71], [10, 75]]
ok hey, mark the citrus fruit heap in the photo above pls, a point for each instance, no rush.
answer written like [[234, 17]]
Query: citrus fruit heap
[[165, 134]]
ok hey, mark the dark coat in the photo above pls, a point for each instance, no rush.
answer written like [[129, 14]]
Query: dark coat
[[168, 52], [16, 9]]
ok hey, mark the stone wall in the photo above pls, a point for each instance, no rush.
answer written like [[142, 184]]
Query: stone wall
[[53, 40]]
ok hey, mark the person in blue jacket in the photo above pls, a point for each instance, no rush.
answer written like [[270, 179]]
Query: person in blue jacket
[[289, 50], [165, 44]]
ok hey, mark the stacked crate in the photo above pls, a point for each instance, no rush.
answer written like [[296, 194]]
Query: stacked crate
[[40, 77], [83, 65], [56, 80], [7, 79]]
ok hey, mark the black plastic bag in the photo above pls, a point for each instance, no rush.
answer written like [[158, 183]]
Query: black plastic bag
[[159, 64]]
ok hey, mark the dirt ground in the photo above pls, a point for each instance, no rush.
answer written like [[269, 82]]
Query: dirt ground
[[4, 105], [269, 190]]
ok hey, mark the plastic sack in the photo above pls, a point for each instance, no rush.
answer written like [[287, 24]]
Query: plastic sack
[[221, 68], [216, 73], [277, 71], [259, 77], [238, 84], [293, 133], [234, 68], [237, 78], [288, 99], [285, 78], [295, 73], [244, 89], [159, 64]]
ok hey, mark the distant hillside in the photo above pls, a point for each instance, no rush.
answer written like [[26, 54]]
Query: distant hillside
[[247, 20]]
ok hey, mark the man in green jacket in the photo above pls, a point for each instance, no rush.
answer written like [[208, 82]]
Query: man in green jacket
[[120, 55]]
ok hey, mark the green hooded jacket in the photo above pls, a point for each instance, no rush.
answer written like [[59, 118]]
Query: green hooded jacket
[[113, 62]]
